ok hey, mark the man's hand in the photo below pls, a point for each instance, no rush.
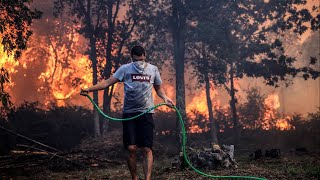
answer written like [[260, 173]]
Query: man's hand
[[169, 102], [100, 86], [84, 92], [163, 95]]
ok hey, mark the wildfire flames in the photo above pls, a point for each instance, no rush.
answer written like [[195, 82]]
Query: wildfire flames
[[272, 104], [7, 60], [62, 82], [65, 74], [64, 68], [66, 82], [198, 108]]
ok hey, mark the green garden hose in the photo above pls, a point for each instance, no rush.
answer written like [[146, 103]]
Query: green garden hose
[[184, 139]]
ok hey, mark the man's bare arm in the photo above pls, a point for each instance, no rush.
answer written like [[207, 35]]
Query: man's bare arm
[[160, 92], [101, 85]]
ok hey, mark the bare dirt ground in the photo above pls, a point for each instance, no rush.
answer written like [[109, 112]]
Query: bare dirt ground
[[103, 159]]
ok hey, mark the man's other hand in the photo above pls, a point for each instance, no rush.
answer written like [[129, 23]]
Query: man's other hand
[[84, 92], [169, 102]]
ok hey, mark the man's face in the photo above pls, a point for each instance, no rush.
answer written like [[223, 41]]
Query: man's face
[[138, 58]]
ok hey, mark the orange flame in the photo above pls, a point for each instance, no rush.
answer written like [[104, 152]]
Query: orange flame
[[8, 62], [283, 123], [60, 80], [199, 106], [272, 104]]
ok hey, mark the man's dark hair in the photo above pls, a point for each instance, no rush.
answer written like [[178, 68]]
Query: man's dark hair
[[138, 51]]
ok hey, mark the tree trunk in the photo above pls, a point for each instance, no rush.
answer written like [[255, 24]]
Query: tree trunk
[[213, 130], [107, 96], [93, 58], [178, 35], [233, 102], [107, 93]]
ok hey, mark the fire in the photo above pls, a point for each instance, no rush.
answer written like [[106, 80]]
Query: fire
[[199, 106], [196, 129], [198, 103], [63, 75], [7, 61], [283, 123], [273, 101], [272, 104], [64, 82], [67, 68]]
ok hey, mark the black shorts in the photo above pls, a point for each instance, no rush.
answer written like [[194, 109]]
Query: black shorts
[[138, 131]]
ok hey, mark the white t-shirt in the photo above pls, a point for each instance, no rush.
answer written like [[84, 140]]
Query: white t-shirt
[[138, 84]]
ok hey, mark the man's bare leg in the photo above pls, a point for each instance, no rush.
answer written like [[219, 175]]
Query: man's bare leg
[[132, 161], [147, 162]]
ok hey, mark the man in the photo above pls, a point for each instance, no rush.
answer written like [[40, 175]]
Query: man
[[139, 77]]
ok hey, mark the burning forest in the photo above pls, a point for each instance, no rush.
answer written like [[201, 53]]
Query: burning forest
[[243, 74]]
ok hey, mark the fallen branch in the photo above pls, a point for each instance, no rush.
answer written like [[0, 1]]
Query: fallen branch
[[29, 139], [29, 152], [53, 155]]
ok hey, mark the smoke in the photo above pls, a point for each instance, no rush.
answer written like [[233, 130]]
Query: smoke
[[301, 97]]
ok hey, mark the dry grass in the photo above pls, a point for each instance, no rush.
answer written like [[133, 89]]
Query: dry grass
[[104, 152]]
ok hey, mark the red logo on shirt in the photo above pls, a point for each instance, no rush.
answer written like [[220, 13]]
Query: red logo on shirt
[[140, 77]]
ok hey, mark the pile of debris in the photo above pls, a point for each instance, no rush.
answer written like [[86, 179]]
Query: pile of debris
[[208, 158]]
